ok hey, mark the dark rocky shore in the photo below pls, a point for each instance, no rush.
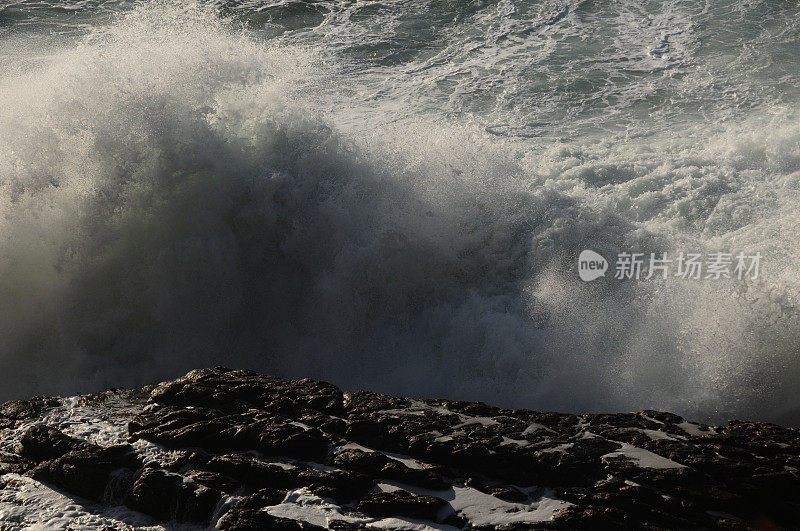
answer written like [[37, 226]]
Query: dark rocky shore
[[236, 450]]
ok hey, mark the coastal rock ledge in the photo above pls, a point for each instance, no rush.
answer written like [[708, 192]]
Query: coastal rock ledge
[[237, 450]]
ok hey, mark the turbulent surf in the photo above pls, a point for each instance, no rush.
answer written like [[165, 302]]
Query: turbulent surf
[[394, 194]]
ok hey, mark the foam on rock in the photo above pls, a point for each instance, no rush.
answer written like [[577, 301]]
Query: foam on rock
[[237, 450]]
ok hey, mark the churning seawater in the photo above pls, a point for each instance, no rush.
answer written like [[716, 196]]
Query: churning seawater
[[393, 195]]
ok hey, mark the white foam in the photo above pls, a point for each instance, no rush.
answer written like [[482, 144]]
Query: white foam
[[28, 504], [643, 458], [483, 509]]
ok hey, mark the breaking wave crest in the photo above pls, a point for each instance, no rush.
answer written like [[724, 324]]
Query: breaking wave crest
[[176, 192]]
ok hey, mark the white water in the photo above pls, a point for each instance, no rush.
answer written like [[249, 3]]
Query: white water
[[177, 192]]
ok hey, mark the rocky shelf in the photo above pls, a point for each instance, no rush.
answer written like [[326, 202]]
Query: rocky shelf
[[237, 450]]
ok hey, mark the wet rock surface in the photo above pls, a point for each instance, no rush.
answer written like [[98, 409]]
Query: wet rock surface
[[237, 450]]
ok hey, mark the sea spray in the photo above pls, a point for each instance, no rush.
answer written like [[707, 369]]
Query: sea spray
[[178, 191]]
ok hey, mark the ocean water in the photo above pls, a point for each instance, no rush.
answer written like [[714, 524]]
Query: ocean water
[[393, 195]]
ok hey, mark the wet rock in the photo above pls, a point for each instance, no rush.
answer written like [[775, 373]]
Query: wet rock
[[247, 514], [239, 390], [155, 493], [213, 430], [166, 496], [42, 442], [81, 472], [376, 464], [365, 462], [509, 494], [120, 482], [14, 464], [359, 402], [292, 441], [339, 485], [235, 520], [264, 438], [19, 409], [401, 503], [252, 472], [71, 464], [343, 525], [214, 480], [262, 498]]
